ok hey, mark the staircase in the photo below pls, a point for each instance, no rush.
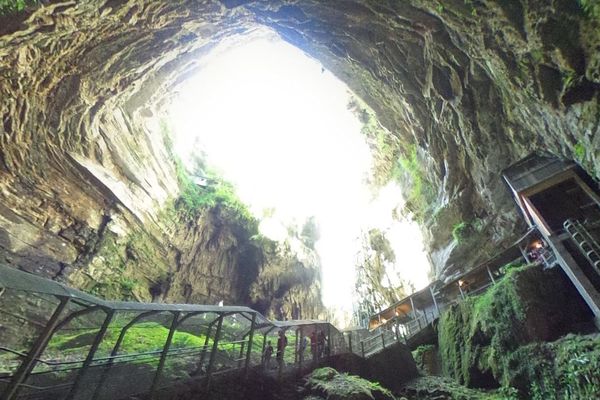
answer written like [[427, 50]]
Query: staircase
[[586, 243]]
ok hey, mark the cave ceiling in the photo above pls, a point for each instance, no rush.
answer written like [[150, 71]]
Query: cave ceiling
[[474, 85]]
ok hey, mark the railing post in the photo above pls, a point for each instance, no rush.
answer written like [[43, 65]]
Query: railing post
[[329, 349], [163, 355], [350, 341], [91, 354], [242, 348], [362, 345], [36, 350], [213, 353], [115, 351], [250, 343], [490, 274], [296, 348], [383, 339], [437, 308], [205, 346]]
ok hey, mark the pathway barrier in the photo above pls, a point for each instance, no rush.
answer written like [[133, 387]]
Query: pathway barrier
[[61, 343]]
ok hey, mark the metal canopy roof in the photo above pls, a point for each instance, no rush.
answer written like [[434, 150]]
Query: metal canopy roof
[[12, 278], [534, 169]]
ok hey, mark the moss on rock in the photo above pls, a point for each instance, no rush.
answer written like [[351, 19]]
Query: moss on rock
[[489, 340], [332, 385]]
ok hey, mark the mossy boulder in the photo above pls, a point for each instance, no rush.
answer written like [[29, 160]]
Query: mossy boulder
[[329, 384], [487, 341]]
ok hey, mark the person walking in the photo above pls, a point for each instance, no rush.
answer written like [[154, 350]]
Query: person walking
[[282, 342], [267, 355]]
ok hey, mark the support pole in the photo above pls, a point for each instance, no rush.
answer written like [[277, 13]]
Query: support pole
[[490, 274], [462, 293], [250, 343], [329, 351], [36, 350], [164, 354], [205, 346], [296, 348], [437, 308], [91, 354], [213, 353], [115, 351], [382, 340], [362, 345], [350, 341]]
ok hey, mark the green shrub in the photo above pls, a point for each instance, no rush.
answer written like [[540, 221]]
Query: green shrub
[[590, 8], [194, 198], [579, 151], [14, 6], [459, 231], [421, 196], [334, 385]]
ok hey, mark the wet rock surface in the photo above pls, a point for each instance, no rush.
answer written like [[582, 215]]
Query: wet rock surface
[[471, 86]]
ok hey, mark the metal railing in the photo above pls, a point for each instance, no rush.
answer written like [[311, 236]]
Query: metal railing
[[585, 241], [60, 343]]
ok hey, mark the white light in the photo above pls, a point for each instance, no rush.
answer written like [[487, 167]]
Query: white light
[[277, 125]]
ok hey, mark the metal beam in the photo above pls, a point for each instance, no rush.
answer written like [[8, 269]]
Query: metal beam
[[164, 354], [90, 357], [213, 353], [115, 350], [36, 350], [437, 308], [250, 343]]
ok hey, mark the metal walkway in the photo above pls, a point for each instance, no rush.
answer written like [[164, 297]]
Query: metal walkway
[[60, 343]]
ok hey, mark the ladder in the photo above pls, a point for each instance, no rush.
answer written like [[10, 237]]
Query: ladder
[[587, 244]]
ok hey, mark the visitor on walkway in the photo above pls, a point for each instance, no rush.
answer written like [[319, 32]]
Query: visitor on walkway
[[267, 355], [313, 345], [321, 343], [302, 348], [282, 341]]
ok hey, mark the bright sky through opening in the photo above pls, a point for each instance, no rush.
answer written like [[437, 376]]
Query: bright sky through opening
[[276, 124]]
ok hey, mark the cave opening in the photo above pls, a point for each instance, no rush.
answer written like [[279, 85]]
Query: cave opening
[[293, 141]]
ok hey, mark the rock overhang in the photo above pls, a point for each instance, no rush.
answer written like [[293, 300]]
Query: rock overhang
[[472, 86]]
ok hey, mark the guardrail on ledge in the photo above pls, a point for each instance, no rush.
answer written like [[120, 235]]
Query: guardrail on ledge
[[61, 343]]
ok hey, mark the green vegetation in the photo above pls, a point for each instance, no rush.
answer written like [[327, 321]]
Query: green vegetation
[[565, 369], [13, 6], [215, 192], [142, 337], [421, 197], [330, 384], [419, 355], [195, 198], [434, 388], [385, 146], [462, 230], [579, 151], [127, 264], [490, 339], [590, 8], [459, 231]]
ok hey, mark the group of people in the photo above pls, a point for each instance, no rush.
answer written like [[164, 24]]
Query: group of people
[[318, 347]]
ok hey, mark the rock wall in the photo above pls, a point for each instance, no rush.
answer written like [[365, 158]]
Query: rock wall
[[466, 86], [492, 340]]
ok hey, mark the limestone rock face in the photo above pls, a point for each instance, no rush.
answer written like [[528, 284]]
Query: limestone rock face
[[473, 85]]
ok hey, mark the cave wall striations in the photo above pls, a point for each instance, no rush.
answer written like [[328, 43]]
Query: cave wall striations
[[85, 175], [87, 183]]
